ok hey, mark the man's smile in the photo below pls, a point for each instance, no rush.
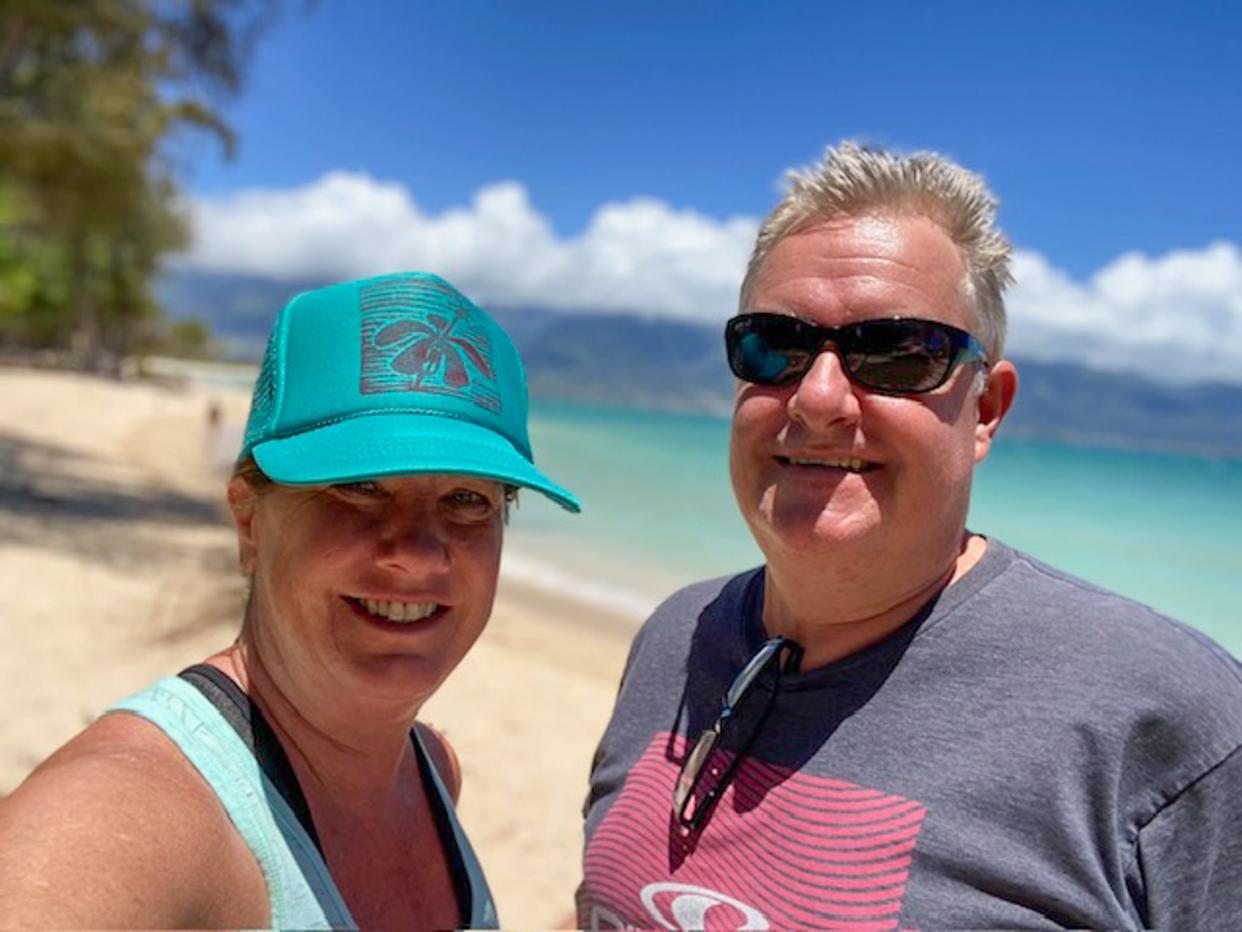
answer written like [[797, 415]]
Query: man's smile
[[846, 464]]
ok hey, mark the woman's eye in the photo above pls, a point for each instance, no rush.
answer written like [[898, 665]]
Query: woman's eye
[[469, 504]]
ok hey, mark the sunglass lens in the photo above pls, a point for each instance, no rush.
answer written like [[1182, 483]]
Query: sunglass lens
[[685, 801], [900, 356], [766, 350]]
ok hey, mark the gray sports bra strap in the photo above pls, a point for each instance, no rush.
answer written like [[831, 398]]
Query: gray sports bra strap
[[478, 909]]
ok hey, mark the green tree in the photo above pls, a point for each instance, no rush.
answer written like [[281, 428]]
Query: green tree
[[92, 94], [188, 339]]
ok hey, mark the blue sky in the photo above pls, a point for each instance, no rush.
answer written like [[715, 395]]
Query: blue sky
[[1107, 129]]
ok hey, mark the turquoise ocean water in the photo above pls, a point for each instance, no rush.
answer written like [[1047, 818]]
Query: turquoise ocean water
[[658, 513]]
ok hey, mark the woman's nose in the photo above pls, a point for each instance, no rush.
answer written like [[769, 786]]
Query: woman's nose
[[414, 543]]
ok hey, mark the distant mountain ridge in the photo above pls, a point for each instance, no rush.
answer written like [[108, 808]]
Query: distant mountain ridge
[[668, 364]]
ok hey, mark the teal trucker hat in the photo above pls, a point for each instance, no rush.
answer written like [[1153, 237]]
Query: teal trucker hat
[[389, 376]]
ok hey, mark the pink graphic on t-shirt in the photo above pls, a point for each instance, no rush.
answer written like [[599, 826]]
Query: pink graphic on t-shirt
[[781, 850]]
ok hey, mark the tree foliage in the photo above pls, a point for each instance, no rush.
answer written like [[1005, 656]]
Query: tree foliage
[[92, 94]]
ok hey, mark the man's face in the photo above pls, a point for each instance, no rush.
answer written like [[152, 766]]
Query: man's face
[[793, 449]]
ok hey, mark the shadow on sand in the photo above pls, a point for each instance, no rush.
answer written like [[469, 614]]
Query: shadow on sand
[[60, 499]]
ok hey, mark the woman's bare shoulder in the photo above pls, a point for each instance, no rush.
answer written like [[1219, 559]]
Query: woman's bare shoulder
[[443, 757], [118, 828]]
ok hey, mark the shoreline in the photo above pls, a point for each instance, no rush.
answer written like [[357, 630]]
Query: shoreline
[[119, 567]]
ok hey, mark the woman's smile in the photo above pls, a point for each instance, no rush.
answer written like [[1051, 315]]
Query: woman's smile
[[397, 614]]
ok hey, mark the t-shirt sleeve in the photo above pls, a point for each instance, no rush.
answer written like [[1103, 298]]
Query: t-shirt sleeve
[[590, 797], [1190, 854]]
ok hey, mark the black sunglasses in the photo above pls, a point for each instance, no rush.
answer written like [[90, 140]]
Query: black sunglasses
[[700, 787], [895, 356]]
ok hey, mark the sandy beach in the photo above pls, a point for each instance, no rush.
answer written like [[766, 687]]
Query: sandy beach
[[117, 567]]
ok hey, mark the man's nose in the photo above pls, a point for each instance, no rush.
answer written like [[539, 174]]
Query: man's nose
[[825, 396]]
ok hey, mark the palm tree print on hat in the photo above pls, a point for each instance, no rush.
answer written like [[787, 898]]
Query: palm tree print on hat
[[429, 349], [420, 336]]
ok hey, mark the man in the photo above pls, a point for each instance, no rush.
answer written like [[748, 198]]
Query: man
[[896, 721]]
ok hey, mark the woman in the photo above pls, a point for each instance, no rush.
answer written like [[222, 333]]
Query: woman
[[283, 782]]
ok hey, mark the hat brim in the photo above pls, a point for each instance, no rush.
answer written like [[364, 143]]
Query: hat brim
[[377, 445]]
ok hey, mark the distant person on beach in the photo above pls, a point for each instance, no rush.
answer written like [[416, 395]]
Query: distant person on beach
[[896, 721], [284, 782], [211, 431]]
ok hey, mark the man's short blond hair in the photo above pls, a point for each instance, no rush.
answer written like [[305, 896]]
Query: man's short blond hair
[[855, 180]]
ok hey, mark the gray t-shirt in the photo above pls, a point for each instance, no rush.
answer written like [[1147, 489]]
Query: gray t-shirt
[[1029, 751]]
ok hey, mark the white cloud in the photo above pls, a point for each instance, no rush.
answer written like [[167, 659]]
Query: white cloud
[[1177, 316], [641, 255]]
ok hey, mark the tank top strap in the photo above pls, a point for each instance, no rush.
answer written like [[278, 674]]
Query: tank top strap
[[301, 891]]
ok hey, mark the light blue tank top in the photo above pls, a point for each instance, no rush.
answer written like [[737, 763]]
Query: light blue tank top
[[300, 889]]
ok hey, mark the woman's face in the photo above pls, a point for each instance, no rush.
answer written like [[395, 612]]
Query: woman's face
[[375, 588]]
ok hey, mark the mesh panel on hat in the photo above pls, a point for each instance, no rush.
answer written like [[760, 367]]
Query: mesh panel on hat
[[263, 403]]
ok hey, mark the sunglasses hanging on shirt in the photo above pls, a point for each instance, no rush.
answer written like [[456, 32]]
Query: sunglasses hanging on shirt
[[708, 768]]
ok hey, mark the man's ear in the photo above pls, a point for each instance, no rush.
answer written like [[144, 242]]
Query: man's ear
[[242, 502], [994, 403]]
